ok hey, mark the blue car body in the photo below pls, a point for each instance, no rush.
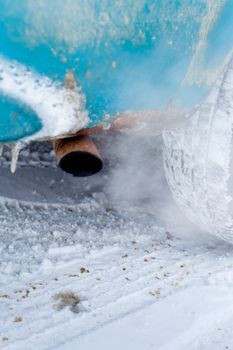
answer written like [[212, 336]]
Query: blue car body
[[126, 54]]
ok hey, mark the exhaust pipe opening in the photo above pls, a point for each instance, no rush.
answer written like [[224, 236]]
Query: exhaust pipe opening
[[78, 156], [81, 164]]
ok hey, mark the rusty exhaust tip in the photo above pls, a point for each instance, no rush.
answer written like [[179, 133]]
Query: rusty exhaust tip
[[78, 156]]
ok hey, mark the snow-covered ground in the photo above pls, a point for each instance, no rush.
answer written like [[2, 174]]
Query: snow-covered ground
[[108, 261]]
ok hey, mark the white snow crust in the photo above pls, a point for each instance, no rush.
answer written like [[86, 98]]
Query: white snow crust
[[60, 110]]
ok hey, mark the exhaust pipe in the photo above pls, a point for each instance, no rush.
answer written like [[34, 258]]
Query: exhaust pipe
[[78, 155]]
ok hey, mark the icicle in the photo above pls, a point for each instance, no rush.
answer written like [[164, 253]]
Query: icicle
[[1, 149], [15, 150]]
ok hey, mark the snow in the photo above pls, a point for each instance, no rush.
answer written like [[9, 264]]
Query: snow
[[60, 110], [176, 322], [99, 263]]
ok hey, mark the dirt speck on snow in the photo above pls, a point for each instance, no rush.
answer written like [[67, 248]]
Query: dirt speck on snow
[[4, 296], [67, 299], [84, 270], [18, 319]]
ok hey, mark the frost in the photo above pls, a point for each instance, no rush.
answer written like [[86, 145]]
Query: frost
[[197, 159]]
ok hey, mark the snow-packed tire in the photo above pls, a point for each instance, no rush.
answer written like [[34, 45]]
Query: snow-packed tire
[[198, 160]]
